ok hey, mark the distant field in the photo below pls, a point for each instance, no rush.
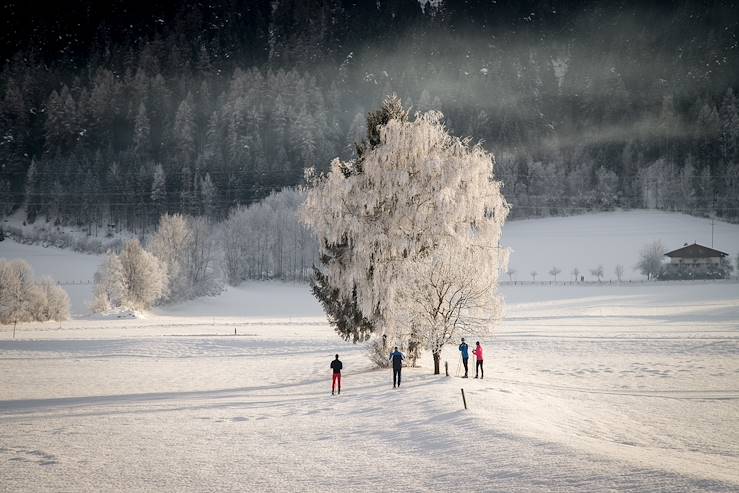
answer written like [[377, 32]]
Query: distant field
[[584, 242], [606, 239]]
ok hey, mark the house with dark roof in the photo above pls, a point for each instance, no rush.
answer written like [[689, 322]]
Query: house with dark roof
[[696, 262]]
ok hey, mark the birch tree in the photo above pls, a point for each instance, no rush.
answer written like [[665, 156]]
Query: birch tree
[[144, 277], [109, 285], [16, 284]]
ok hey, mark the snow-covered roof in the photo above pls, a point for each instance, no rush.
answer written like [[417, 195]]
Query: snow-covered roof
[[696, 251]]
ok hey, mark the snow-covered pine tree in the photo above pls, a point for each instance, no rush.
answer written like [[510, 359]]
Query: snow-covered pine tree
[[158, 191], [208, 196], [32, 196], [341, 305], [410, 225], [142, 133], [184, 131]]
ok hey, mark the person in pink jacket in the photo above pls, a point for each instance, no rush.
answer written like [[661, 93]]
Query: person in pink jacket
[[478, 356]]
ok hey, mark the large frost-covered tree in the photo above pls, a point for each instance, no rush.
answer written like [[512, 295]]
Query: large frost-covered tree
[[340, 305], [417, 217]]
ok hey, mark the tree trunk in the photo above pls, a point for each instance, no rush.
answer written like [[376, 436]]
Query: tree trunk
[[437, 358]]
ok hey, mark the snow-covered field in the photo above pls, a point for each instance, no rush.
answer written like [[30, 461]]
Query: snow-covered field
[[608, 239], [587, 387]]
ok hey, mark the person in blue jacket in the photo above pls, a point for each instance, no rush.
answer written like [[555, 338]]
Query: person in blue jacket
[[464, 348], [397, 358]]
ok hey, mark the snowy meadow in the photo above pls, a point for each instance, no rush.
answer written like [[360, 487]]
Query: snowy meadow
[[596, 386]]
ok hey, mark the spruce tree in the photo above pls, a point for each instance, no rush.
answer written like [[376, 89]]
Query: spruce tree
[[141, 133], [158, 193], [343, 312], [32, 203]]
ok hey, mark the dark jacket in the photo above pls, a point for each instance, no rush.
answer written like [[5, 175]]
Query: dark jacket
[[336, 366], [397, 358]]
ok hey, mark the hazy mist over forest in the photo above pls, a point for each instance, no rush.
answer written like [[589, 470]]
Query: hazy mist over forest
[[117, 112]]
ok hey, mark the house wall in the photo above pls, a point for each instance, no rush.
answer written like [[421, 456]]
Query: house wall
[[695, 261]]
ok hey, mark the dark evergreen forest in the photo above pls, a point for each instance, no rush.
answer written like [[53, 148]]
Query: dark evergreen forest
[[115, 112]]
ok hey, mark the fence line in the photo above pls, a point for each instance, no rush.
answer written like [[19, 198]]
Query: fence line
[[618, 283]]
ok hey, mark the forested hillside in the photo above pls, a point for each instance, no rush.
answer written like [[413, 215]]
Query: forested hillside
[[116, 112]]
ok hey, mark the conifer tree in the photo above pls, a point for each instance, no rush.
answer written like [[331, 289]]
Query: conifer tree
[[141, 133], [158, 192], [341, 307], [32, 198]]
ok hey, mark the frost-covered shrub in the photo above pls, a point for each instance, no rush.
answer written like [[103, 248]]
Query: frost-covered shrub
[[23, 300], [134, 279], [378, 352]]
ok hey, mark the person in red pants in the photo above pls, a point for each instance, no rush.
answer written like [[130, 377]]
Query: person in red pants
[[336, 366]]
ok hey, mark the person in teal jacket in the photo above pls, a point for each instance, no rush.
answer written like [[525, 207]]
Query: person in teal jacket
[[465, 350], [397, 359]]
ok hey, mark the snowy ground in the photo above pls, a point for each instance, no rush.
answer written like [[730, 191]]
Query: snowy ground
[[587, 388]]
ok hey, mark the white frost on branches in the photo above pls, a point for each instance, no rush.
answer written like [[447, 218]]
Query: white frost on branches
[[23, 300], [135, 280], [186, 246], [423, 221]]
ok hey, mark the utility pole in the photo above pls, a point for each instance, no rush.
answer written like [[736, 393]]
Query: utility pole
[[712, 232]]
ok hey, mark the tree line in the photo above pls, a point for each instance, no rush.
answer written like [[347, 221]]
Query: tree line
[[205, 108]]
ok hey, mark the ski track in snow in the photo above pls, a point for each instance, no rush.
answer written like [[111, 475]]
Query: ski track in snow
[[628, 388]]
